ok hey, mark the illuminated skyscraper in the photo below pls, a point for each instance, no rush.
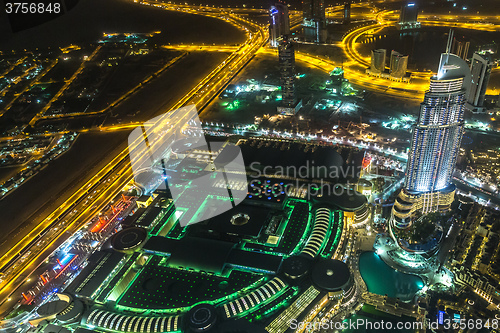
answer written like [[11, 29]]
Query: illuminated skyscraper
[[435, 143], [314, 20], [481, 71], [280, 23]]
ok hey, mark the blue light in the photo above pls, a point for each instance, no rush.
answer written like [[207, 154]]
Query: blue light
[[250, 196], [411, 5], [66, 259], [441, 317]]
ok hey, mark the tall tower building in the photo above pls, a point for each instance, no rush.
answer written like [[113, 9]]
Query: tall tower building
[[398, 66], [347, 13], [408, 18], [481, 70], [378, 61], [461, 48], [314, 20], [280, 23], [287, 75], [435, 144]]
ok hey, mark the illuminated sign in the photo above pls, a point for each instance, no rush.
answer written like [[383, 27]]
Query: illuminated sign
[[441, 317]]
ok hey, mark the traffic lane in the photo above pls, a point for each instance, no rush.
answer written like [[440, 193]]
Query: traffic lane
[[79, 221], [28, 205]]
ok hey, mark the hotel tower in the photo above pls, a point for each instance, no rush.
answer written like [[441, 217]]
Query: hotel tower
[[435, 143]]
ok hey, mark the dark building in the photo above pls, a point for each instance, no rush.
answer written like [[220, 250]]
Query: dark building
[[100, 265], [481, 70], [408, 18], [347, 13], [378, 61], [398, 66], [287, 72], [334, 277], [280, 23], [461, 48], [314, 20]]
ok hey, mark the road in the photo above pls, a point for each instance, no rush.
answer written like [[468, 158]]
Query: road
[[41, 115], [26, 255], [202, 47], [387, 87], [19, 261], [355, 67], [36, 80], [65, 86], [65, 221]]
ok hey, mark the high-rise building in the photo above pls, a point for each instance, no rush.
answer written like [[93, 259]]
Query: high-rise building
[[347, 12], [435, 144], [491, 48], [481, 70], [314, 20], [314, 10], [461, 48], [280, 23], [398, 65], [378, 61], [408, 18], [287, 75]]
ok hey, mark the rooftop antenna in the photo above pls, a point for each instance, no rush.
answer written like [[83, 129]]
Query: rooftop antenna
[[449, 44]]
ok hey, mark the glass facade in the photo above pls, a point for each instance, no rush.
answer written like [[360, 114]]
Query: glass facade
[[435, 144], [436, 137]]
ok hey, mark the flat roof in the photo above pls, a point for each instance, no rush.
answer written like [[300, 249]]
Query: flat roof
[[192, 252], [162, 287], [222, 223], [99, 267], [254, 260], [131, 219], [294, 156], [148, 217]]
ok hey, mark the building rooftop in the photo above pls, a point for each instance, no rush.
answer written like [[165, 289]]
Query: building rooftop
[[192, 252], [345, 199], [330, 274], [100, 265], [225, 224], [128, 238]]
